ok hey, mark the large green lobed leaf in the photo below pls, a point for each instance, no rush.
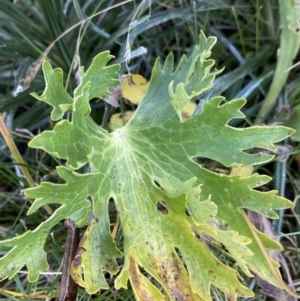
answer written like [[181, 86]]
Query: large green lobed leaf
[[148, 165]]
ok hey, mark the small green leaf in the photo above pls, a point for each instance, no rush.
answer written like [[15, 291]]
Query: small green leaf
[[100, 77], [55, 94], [199, 76], [31, 244]]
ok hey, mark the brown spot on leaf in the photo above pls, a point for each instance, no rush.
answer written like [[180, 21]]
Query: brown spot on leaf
[[133, 271], [138, 281]]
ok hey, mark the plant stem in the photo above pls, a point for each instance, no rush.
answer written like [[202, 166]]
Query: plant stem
[[17, 156]]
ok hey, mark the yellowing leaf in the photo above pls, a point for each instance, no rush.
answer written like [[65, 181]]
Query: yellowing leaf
[[116, 119], [88, 253], [133, 88], [188, 110], [242, 171], [143, 289]]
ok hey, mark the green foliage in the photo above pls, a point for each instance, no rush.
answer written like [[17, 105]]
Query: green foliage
[[294, 123], [289, 47], [173, 211]]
